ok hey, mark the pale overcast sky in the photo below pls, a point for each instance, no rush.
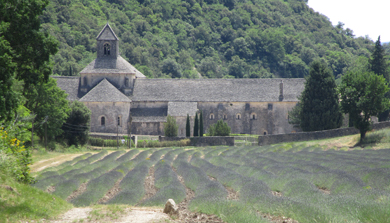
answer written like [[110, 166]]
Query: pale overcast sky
[[363, 17]]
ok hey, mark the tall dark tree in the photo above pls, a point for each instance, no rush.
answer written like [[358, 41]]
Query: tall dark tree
[[188, 126], [379, 66], [201, 131], [196, 125], [24, 49], [320, 105]]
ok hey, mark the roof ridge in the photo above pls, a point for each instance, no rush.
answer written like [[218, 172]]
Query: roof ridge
[[104, 91]]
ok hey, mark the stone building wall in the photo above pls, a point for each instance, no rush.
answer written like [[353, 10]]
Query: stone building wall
[[147, 128], [257, 118], [110, 111]]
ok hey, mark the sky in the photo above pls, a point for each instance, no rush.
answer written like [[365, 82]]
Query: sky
[[363, 17]]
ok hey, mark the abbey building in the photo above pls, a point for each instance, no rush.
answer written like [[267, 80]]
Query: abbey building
[[116, 92]]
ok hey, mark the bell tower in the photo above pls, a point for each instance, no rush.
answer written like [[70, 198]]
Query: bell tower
[[107, 43]]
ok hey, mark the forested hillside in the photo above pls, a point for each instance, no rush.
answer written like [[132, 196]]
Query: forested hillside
[[217, 38]]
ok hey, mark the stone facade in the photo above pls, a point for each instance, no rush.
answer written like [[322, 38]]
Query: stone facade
[[114, 90]]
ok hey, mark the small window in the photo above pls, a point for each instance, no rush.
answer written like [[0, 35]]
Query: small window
[[119, 121], [238, 116], [107, 49], [265, 133], [211, 116], [102, 121], [253, 116], [269, 106], [225, 117]]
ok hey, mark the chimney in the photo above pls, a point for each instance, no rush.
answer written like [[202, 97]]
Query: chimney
[[281, 91]]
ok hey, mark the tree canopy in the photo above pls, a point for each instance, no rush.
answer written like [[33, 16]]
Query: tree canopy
[[77, 124], [363, 96], [179, 39], [25, 49], [318, 108], [220, 128]]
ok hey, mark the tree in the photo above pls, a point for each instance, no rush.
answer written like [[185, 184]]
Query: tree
[[379, 66], [196, 125], [363, 96], [201, 124], [319, 101], [76, 127], [170, 128], [48, 102], [24, 49], [188, 127], [220, 128]]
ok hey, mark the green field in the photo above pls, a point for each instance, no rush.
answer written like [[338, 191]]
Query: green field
[[304, 182]]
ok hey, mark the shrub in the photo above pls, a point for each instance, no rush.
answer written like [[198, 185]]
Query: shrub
[[220, 128], [170, 128], [76, 126]]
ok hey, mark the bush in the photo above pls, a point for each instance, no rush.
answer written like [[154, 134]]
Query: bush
[[76, 127], [220, 128], [170, 128]]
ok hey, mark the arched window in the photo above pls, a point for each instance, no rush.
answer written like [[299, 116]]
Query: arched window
[[225, 116], [238, 116], [119, 120], [211, 116], [103, 121], [107, 49], [85, 80], [253, 116], [265, 133]]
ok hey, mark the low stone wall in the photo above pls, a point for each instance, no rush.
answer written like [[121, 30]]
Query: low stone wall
[[305, 136], [204, 141]]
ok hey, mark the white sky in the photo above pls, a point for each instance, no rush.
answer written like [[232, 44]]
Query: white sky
[[369, 17]]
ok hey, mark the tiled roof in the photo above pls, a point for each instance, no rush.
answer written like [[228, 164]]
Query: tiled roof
[[182, 108], [70, 85], [111, 66], [107, 33], [215, 90], [150, 119], [148, 112], [105, 92]]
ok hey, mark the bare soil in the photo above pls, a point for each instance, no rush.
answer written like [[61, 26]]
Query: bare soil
[[111, 193], [76, 193], [150, 189]]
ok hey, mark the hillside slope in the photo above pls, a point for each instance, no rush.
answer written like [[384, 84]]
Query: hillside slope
[[219, 38]]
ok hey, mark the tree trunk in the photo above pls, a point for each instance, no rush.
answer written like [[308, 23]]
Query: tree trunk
[[362, 135]]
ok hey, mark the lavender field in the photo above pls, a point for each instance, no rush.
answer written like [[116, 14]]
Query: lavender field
[[238, 184]]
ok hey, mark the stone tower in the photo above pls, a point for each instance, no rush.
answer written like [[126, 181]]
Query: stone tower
[[110, 65]]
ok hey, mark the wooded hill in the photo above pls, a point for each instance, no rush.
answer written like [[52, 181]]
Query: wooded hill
[[217, 38]]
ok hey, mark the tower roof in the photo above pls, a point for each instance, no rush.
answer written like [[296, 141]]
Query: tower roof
[[107, 33], [105, 92]]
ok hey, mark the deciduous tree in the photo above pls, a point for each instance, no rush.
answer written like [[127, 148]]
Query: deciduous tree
[[220, 128], [363, 96], [76, 127]]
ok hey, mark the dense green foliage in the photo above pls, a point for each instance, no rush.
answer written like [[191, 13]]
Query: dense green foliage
[[363, 96], [24, 50], [170, 127], [216, 38], [188, 127], [220, 128], [76, 127], [319, 104], [49, 103], [196, 125], [379, 65]]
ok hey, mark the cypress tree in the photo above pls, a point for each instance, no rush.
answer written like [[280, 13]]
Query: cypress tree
[[201, 124], [320, 104], [379, 66], [188, 127], [196, 125]]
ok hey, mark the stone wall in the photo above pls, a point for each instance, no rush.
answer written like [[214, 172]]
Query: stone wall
[[257, 118], [305, 136], [147, 128], [204, 141], [110, 111]]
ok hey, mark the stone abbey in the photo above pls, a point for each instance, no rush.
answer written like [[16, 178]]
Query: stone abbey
[[116, 92]]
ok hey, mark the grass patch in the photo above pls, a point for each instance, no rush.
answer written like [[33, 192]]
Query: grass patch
[[26, 203]]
